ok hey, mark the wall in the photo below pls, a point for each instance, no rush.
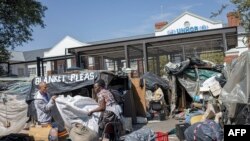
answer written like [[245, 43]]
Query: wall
[[14, 69], [4, 66]]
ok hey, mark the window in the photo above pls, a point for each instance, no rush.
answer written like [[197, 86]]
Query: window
[[20, 71], [187, 24], [61, 68], [32, 71]]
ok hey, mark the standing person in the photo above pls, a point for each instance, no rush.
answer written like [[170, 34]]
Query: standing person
[[107, 105], [158, 94], [44, 104]]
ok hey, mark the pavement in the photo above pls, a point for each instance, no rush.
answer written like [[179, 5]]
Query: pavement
[[155, 125], [160, 126]]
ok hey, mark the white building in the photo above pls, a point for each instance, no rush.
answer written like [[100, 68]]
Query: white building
[[187, 22], [25, 63]]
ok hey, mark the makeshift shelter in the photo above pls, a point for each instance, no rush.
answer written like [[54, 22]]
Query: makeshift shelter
[[64, 84], [188, 80]]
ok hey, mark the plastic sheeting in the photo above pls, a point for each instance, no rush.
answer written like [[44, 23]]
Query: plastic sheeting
[[242, 114], [203, 74], [177, 68], [144, 134], [152, 78], [192, 87], [192, 83], [13, 107], [237, 88], [75, 110]]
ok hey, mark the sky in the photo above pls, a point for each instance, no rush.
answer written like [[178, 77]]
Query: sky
[[96, 20]]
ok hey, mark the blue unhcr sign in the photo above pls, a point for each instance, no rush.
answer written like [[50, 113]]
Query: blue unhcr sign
[[188, 29]]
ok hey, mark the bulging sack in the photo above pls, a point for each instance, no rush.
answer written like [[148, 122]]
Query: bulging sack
[[80, 132]]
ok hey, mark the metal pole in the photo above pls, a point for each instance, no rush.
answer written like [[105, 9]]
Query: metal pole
[[183, 53], [38, 66], [78, 60], [102, 63], [158, 63], [127, 56], [224, 41], [65, 61], [114, 64], [42, 67], [145, 57]]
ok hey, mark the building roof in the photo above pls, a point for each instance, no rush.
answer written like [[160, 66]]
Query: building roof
[[115, 48], [59, 48], [28, 56], [122, 39], [191, 14], [17, 56], [25, 56], [31, 55]]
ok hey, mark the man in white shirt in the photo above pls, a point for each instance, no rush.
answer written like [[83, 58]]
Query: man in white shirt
[[44, 104]]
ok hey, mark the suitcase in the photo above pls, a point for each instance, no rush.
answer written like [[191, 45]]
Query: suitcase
[[180, 129]]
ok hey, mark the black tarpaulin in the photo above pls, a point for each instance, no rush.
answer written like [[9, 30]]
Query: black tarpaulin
[[152, 78], [58, 84]]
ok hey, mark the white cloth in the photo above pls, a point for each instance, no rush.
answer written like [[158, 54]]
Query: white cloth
[[116, 109], [75, 110]]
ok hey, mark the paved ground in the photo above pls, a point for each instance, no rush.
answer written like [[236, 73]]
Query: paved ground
[[162, 126]]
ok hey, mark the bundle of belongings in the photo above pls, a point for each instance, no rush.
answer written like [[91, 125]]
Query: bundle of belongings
[[208, 130], [218, 95], [13, 92], [201, 82]]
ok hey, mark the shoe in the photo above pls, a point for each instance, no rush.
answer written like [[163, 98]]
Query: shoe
[[32, 125], [26, 127]]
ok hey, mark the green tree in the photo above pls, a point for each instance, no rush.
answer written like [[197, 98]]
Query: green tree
[[217, 58], [17, 17], [242, 10]]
